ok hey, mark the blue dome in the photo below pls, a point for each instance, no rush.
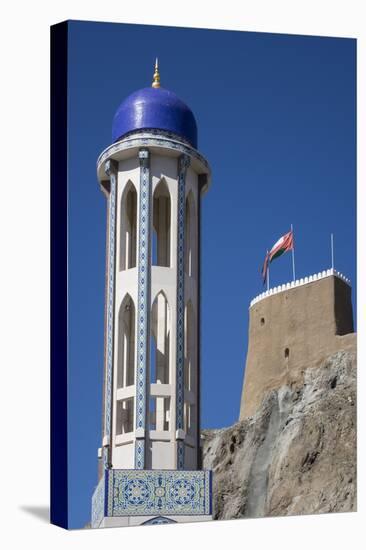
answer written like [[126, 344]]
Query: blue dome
[[155, 108]]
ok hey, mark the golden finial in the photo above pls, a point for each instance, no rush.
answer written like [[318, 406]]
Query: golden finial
[[156, 81]]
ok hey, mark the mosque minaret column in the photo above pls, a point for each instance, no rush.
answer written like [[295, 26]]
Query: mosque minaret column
[[181, 348], [143, 309], [153, 178]]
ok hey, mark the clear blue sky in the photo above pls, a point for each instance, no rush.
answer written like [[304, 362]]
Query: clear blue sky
[[276, 120]]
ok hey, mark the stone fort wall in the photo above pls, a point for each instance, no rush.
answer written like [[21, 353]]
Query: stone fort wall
[[294, 327]]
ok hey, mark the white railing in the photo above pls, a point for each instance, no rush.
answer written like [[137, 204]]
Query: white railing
[[300, 282]]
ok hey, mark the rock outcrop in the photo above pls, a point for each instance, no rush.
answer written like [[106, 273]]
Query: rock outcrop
[[296, 455]]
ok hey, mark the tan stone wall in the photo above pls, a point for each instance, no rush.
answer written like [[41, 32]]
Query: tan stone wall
[[292, 330]]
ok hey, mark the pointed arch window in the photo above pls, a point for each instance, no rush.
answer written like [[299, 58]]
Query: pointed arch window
[[190, 368], [161, 225], [190, 237], [160, 340], [159, 408], [190, 347], [126, 344], [128, 233]]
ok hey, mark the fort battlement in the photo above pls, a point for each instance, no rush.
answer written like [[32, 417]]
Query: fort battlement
[[300, 282], [292, 327]]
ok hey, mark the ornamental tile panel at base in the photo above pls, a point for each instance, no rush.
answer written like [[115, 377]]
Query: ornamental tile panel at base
[[152, 492], [158, 492]]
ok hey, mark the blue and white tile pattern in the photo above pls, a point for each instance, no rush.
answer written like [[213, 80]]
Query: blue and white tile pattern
[[143, 306], [158, 492], [184, 162]]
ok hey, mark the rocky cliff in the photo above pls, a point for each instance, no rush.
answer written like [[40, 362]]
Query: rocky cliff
[[296, 455]]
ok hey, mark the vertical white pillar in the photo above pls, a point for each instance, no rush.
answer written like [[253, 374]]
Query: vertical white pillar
[[111, 171]]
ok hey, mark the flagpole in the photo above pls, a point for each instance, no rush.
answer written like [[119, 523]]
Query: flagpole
[[267, 273], [332, 249], [293, 255]]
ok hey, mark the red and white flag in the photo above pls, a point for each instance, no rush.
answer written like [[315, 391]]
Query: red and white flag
[[284, 244]]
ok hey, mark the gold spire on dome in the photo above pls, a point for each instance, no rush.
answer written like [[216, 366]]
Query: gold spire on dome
[[156, 81]]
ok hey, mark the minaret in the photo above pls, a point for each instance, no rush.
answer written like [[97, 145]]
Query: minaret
[[153, 178]]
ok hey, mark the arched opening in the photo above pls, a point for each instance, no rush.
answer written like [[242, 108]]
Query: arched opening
[[160, 339], [159, 407], [190, 367], [158, 520], [190, 237], [126, 344], [161, 225], [128, 233], [189, 347]]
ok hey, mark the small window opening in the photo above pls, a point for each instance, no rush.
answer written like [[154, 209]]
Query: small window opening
[[126, 344], [124, 416], [159, 413]]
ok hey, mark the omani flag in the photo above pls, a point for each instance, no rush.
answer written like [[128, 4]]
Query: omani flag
[[284, 244]]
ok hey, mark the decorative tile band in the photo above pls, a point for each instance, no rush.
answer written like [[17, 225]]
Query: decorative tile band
[[111, 170], [184, 162], [98, 503], [158, 492], [300, 282], [151, 139], [143, 305], [156, 132]]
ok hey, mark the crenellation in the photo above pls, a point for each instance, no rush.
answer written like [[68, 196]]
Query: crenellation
[[300, 282]]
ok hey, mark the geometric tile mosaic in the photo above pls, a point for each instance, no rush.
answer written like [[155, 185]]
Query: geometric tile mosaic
[[158, 492], [152, 493]]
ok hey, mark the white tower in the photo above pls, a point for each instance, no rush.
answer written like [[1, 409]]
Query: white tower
[[153, 178]]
